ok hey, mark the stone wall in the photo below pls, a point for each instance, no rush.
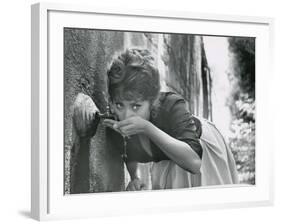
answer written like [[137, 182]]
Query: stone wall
[[86, 57]]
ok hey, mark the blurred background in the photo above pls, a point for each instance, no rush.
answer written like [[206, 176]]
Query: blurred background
[[232, 64]]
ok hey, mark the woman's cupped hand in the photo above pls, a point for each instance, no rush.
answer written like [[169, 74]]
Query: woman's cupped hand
[[130, 126]]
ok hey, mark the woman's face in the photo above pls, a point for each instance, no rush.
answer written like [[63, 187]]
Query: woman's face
[[128, 108]]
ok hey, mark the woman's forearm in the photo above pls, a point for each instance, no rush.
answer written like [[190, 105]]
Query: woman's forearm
[[178, 151], [132, 168]]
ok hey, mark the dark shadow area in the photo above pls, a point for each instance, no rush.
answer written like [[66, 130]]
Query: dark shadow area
[[26, 214]]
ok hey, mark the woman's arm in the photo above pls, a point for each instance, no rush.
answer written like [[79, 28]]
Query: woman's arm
[[135, 184], [132, 168], [178, 151]]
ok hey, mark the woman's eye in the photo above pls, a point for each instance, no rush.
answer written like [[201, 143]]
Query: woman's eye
[[136, 106], [118, 105]]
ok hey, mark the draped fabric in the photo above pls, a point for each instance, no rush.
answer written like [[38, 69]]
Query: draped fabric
[[217, 167]]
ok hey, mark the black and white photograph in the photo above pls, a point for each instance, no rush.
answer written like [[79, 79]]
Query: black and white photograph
[[155, 111]]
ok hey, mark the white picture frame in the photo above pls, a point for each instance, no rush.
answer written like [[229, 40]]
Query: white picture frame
[[47, 198]]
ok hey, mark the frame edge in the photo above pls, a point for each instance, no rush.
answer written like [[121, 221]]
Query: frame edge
[[39, 193], [35, 177], [39, 209]]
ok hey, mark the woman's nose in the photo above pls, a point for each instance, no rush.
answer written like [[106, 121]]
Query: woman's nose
[[128, 113]]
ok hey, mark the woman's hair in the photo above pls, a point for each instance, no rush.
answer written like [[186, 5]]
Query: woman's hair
[[133, 75]]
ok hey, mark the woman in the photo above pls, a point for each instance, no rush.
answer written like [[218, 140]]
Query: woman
[[158, 128]]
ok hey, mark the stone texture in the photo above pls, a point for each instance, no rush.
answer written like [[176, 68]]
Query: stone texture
[[86, 57]]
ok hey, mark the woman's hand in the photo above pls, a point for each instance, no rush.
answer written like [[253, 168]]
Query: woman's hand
[[136, 185], [84, 116], [130, 126]]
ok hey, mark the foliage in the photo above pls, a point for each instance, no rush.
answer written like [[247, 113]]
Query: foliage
[[244, 63], [242, 106], [242, 141]]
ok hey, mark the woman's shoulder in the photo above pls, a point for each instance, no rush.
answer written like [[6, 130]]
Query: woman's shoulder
[[166, 103], [170, 99], [173, 114]]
